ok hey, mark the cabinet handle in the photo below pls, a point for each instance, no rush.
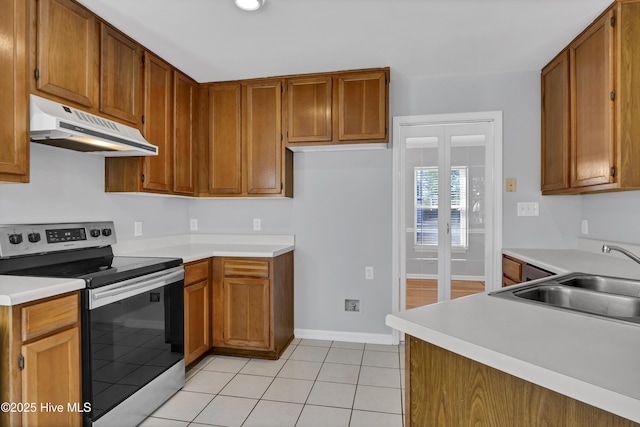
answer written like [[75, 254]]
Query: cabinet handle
[[612, 95]]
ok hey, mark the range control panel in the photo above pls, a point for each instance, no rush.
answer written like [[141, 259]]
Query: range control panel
[[28, 239]]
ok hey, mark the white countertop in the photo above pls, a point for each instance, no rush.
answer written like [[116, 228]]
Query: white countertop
[[200, 246], [587, 358], [16, 290]]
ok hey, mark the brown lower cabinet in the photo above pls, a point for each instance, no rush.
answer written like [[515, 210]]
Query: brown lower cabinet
[[446, 389], [40, 362], [252, 304], [197, 317]]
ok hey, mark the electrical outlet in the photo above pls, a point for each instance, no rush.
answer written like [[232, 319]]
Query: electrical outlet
[[528, 209], [584, 226], [257, 224], [368, 273], [352, 305], [137, 228], [193, 224]]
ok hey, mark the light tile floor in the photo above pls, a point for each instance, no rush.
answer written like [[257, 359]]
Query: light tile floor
[[314, 383]]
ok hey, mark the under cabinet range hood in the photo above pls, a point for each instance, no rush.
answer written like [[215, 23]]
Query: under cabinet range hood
[[58, 125]]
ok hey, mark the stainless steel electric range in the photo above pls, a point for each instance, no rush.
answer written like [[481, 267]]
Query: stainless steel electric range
[[131, 320]]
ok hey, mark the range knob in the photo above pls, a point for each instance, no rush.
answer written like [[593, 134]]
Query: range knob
[[34, 237], [15, 239], [106, 232], [95, 232]]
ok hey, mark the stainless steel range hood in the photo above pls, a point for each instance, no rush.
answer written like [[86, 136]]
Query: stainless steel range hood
[[58, 125]]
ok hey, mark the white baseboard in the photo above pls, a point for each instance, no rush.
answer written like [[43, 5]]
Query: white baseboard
[[316, 334]]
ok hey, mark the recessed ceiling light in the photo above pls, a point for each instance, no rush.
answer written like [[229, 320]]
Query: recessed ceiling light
[[250, 4]]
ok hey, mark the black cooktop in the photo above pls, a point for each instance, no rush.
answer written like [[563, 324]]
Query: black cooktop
[[98, 267]]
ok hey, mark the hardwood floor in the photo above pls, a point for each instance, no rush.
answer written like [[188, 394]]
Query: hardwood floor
[[425, 291]]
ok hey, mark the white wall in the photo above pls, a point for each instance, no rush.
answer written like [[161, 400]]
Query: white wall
[[613, 216], [341, 213], [68, 186]]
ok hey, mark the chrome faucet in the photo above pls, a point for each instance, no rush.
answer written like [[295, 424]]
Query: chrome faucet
[[608, 248]]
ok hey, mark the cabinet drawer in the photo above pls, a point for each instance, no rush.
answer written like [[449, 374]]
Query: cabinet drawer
[[512, 269], [196, 272], [42, 318], [246, 268]]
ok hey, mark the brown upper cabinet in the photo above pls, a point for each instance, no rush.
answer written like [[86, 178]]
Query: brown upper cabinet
[[120, 67], [185, 92], [66, 52], [348, 107], [169, 122], [600, 119], [14, 108], [245, 150]]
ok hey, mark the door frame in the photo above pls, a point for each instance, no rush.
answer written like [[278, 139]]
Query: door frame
[[493, 231]]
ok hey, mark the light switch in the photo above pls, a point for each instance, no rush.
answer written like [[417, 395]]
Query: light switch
[[511, 185], [528, 209]]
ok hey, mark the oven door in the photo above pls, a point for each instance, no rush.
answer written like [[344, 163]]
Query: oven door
[[133, 337]]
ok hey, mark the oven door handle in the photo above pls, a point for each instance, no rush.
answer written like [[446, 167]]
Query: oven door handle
[[142, 285]]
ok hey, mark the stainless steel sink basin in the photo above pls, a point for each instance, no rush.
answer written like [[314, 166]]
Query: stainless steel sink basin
[[610, 297]]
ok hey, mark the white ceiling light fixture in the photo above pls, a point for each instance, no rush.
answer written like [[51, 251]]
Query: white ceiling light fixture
[[250, 5]]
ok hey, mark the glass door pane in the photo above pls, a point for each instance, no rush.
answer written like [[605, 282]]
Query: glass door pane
[[468, 171], [422, 236]]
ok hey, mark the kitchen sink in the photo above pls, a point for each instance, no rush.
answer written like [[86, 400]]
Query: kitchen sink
[[610, 297]]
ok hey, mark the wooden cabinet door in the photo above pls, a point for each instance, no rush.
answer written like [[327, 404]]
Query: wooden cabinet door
[[361, 103], [309, 109], [157, 128], [14, 107], [246, 312], [119, 75], [66, 51], [262, 136], [52, 374], [197, 335], [555, 125], [225, 139], [591, 105], [184, 126]]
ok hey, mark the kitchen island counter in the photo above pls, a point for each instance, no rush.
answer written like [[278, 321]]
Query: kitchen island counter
[[587, 358]]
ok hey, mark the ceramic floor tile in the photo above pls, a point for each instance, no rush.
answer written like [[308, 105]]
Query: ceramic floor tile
[[345, 356], [381, 359], [162, 422], [208, 382], [274, 414], [380, 399], [309, 353], [380, 377], [374, 419], [339, 373], [183, 406], [226, 411], [315, 343], [382, 347], [300, 369], [324, 416], [267, 368], [295, 341], [251, 386], [202, 363], [288, 351], [226, 364], [332, 394], [351, 345], [288, 390]]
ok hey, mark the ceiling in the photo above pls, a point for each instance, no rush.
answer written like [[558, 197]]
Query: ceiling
[[212, 40]]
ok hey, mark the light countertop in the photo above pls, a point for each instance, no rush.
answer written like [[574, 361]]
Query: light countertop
[[588, 358], [16, 290], [200, 246]]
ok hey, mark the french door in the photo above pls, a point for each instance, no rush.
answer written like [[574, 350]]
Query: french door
[[447, 185]]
